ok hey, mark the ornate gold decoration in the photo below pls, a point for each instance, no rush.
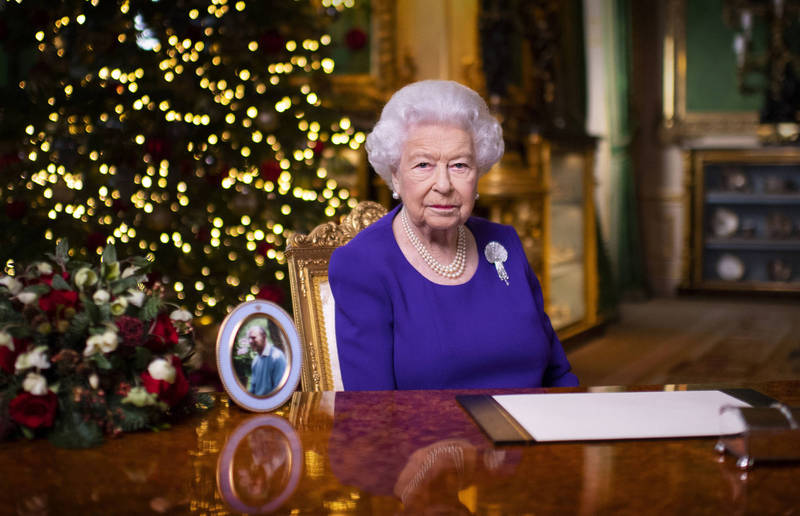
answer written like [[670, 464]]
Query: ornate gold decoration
[[331, 234], [308, 257]]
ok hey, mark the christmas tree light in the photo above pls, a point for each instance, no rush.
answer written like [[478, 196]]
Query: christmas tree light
[[193, 131]]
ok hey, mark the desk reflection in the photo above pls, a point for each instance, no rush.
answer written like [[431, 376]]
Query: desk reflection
[[414, 454], [260, 465]]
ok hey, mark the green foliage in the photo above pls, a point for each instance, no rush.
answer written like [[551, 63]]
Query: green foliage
[[124, 284], [60, 283], [150, 309], [77, 330], [101, 361], [39, 289], [62, 250], [142, 357], [133, 418], [109, 255], [71, 431]]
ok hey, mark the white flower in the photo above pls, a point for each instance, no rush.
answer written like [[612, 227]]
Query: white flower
[[85, 277], [140, 397], [6, 340], [11, 284], [181, 315], [35, 384], [105, 342], [44, 268], [26, 298], [136, 297], [161, 369], [130, 271], [109, 341], [94, 381], [92, 345], [119, 305], [101, 297], [34, 358]]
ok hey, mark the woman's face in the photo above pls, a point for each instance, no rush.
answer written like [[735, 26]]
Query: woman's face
[[437, 177]]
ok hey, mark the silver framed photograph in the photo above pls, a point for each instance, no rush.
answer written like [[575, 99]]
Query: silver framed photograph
[[259, 355], [260, 465]]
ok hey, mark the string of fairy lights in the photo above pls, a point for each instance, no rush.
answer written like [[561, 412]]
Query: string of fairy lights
[[66, 193]]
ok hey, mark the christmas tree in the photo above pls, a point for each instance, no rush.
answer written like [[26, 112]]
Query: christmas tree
[[194, 132]]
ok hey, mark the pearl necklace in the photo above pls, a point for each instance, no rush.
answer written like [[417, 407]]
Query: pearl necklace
[[452, 271]]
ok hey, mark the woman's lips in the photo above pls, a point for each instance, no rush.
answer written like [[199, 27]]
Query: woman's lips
[[443, 206]]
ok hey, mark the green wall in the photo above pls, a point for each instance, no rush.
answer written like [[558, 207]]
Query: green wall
[[711, 83]]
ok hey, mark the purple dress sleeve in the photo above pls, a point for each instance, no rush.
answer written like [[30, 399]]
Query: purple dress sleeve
[[363, 321], [558, 372]]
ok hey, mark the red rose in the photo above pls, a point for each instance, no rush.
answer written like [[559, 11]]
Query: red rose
[[131, 330], [8, 358], [169, 393], [33, 411], [162, 334], [57, 300]]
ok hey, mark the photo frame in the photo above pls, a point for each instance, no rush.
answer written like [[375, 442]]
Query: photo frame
[[259, 355], [260, 465]]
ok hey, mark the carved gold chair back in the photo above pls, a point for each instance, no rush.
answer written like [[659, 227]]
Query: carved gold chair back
[[308, 257]]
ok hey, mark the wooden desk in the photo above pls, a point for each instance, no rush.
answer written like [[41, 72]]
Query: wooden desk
[[360, 453]]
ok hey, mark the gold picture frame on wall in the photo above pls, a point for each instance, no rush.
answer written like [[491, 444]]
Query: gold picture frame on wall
[[367, 92], [680, 120]]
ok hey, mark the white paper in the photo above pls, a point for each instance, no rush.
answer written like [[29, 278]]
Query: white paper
[[618, 415]]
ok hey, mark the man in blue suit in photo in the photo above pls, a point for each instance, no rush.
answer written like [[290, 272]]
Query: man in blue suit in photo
[[268, 366]]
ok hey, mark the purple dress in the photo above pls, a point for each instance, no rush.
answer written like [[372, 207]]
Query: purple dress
[[395, 329]]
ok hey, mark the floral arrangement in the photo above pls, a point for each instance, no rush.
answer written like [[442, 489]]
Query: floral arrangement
[[88, 351]]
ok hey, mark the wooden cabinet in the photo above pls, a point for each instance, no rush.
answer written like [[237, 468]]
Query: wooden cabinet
[[745, 220], [549, 198]]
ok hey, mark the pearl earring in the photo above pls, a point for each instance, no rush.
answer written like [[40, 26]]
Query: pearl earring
[[395, 195], [477, 196]]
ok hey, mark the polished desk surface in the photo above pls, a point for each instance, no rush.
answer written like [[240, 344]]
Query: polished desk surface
[[385, 453]]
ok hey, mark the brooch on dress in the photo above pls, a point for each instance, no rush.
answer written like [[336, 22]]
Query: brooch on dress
[[496, 254]]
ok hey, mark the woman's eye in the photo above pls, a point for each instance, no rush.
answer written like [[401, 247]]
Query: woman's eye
[[422, 164], [460, 166]]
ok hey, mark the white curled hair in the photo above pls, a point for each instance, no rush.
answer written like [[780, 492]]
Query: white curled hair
[[438, 102]]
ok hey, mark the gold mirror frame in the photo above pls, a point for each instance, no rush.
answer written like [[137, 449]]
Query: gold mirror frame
[[368, 92], [678, 123]]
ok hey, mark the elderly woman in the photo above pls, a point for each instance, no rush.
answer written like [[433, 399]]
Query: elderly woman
[[429, 297]]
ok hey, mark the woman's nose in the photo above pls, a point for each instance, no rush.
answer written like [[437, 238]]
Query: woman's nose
[[442, 178]]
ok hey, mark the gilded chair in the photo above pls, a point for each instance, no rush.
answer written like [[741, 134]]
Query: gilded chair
[[313, 304]]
